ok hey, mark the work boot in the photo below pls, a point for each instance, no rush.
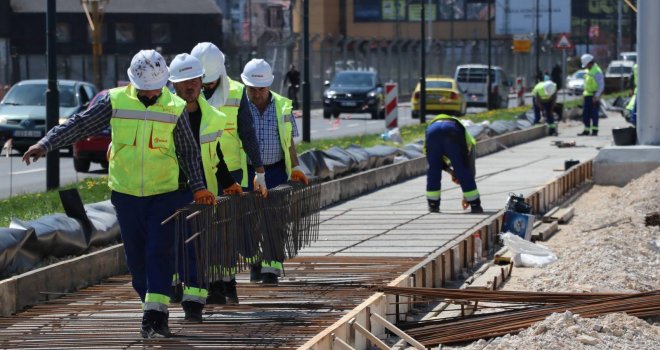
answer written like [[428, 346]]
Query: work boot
[[177, 293], [584, 133], [475, 206], [193, 311], [216, 295], [434, 206], [255, 272], [229, 291], [269, 278], [553, 132], [594, 132], [154, 325]]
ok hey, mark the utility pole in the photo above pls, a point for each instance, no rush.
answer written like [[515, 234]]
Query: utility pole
[[422, 78], [52, 97], [619, 12], [538, 44], [306, 88], [490, 41], [95, 21]]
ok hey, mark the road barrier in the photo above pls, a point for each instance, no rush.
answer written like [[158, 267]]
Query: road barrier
[[391, 102]]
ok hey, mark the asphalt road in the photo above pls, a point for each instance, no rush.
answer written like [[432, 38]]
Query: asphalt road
[[17, 178]]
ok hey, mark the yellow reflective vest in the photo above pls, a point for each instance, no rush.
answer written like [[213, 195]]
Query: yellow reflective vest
[[590, 83], [210, 131], [143, 160], [283, 108], [230, 142]]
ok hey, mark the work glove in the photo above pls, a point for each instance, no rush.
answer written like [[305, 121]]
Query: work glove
[[465, 204], [298, 175], [204, 197], [259, 184], [233, 189]]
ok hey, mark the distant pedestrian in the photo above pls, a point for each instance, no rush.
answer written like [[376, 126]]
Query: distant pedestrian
[[293, 77], [555, 75], [594, 84]]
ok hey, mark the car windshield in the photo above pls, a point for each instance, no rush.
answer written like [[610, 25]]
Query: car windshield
[[353, 80], [438, 84], [620, 70], [474, 75], [35, 95]]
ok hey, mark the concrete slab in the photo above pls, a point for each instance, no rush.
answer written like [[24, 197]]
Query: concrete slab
[[617, 165]]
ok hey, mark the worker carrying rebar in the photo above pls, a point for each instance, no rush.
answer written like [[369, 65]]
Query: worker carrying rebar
[[207, 124], [594, 85], [450, 147], [238, 143], [151, 141], [276, 128], [544, 95]]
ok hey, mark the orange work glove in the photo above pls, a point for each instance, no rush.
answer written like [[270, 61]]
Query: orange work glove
[[204, 197], [455, 180], [298, 175], [259, 184], [233, 189], [465, 204]]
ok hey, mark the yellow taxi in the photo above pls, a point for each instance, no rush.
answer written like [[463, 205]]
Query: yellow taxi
[[442, 96]]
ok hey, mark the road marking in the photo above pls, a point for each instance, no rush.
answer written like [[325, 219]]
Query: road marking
[[28, 171], [352, 125], [313, 131]]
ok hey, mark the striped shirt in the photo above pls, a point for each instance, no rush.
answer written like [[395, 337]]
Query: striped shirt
[[268, 135], [97, 118]]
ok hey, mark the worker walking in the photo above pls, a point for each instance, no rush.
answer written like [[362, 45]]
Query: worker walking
[[238, 143], [151, 140], [544, 95], [276, 128], [594, 85], [207, 124], [450, 147]]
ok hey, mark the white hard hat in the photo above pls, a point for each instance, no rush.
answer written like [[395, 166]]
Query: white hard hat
[[586, 58], [212, 59], [148, 70], [550, 88], [185, 67], [257, 73]]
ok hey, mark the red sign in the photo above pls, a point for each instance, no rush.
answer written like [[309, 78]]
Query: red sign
[[594, 31], [564, 43]]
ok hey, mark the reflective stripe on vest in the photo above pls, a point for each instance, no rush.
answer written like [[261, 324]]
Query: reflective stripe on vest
[[230, 142], [211, 128], [590, 83], [143, 159]]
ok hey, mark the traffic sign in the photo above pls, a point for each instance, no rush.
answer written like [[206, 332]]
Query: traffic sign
[[563, 43]]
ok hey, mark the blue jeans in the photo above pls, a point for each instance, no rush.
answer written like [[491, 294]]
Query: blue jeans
[[549, 114], [590, 114]]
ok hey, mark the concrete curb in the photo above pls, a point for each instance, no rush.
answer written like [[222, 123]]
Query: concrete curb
[[42, 284]]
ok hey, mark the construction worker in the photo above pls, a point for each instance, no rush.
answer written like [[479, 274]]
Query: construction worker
[[238, 143], [544, 96], [207, 124], [276, 128], [594, 84], [632, 104], [151, 140], [450, 147]]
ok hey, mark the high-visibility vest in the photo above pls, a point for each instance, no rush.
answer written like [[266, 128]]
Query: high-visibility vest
[[283, 108], [590, 83], [210, 130], [469, 139], [143, 160], [539, 90], [230, 142]]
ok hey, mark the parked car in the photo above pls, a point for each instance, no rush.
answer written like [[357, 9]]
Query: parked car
[[575, 82], [629, 56], [92, 148], [471, 79], [442, 96], [354, 92], [23, 109], [618, 76]]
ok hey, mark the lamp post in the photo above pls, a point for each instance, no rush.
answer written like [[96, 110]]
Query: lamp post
[[422, 78], [306, 98], [52, 97]]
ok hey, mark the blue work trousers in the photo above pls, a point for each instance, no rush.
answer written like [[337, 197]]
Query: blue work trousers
[[149, 246], [549, 114], [445, 138], [590, 114], [187, 262]]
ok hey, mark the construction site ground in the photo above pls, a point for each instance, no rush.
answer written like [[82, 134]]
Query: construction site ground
[[362, 243]]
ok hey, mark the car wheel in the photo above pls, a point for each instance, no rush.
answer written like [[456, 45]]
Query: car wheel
[[104, 164], [81, 165], [414, 114], [326, 114]]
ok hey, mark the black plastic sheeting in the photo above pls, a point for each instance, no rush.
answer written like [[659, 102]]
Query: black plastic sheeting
[[25, 244]]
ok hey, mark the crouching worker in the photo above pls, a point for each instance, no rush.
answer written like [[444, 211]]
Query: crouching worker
[[450, 147]]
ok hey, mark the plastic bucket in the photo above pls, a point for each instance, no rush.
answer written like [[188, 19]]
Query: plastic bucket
[[624, 136]]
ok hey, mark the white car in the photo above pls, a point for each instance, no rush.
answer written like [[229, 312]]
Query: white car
[[575, 82]]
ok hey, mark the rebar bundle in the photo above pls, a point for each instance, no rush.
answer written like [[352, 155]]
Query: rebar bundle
[[216, 241]]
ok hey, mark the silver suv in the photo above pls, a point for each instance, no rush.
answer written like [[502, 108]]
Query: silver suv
[[471, 79]]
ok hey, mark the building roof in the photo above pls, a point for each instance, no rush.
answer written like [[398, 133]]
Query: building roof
[[123, 6]]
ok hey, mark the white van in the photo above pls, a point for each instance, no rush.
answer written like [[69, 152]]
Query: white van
[[628, 56], [471, 79]]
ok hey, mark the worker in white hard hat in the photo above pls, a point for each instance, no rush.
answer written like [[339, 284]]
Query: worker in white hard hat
[[151, 141], [544, 95], [207, 124], [594, 85], [238, 143], [276, 128]]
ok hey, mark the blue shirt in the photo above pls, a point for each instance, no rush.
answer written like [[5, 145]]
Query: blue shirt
[[268, 135]]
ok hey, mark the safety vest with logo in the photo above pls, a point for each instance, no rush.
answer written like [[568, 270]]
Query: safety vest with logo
[[283, 109], [230, 142], [590, 83], [143, 160], [210, 131], [539, 90]]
